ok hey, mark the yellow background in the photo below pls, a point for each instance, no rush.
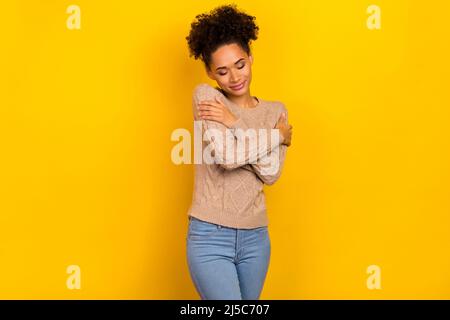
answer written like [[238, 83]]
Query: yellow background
[[86, 174]]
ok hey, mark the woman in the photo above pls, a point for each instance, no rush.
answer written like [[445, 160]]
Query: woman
[[228, 244]]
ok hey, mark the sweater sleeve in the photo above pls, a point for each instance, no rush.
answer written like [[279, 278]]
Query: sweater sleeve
[[233, 147], [269, 167]]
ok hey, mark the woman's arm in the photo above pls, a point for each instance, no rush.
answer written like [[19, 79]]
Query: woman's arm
[[244, 150], [269, 168]]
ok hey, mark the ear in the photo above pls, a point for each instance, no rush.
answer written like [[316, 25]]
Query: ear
[[250, 57]]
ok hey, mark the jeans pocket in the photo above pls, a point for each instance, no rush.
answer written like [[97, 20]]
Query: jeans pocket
[[199, 229]]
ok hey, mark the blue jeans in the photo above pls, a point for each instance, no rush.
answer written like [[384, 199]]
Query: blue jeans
[[227, 263]]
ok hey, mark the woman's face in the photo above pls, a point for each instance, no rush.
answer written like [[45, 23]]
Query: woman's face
[[231, 68]]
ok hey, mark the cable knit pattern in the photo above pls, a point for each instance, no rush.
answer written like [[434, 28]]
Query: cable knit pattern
[[231, 193]]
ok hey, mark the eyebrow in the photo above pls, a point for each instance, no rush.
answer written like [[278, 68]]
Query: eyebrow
[[226, 67]]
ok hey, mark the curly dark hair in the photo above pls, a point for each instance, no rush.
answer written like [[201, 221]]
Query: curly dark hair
[[223, 25]]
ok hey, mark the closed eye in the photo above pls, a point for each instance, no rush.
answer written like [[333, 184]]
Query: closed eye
[[222, 74]]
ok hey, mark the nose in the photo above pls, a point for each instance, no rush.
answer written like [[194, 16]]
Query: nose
[[234, 78]]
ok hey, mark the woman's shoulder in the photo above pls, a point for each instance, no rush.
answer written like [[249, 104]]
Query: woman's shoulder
[[205, 90]]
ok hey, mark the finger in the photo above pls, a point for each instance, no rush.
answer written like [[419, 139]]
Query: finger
[[208, 106], [203, 107], [208, 113], [282, 118], [214, 118]]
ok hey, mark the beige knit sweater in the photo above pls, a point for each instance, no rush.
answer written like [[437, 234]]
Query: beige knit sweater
[[229, 190]]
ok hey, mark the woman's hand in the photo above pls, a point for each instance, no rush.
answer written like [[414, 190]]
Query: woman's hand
[[285, 129], [215, 110]]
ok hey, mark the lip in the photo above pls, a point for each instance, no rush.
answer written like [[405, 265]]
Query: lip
[[238, 87]]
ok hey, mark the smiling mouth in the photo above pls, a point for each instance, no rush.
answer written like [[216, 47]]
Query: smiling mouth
[[240, 86]]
